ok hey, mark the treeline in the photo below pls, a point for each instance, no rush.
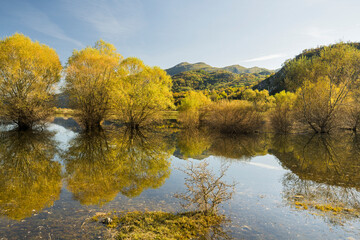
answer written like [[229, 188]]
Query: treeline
[[323, 96], [98, 81], [224, 84], [323, 90]]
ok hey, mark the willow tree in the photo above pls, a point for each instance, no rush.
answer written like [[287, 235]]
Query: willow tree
[[192, 109], [324, 83], [143, 93], [90, 80], [28, 73], [281, 117]]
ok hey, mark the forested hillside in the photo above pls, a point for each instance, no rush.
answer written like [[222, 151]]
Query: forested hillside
[[202, 80], [276, 83], [221, 84], [185, 66]]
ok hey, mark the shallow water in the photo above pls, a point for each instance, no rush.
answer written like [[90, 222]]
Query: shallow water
[[288, 187]]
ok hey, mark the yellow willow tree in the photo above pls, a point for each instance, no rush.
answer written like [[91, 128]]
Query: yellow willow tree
[[143, 93], [324, 83], [90, 82], [28, 72], [281, 117], [191, 109]]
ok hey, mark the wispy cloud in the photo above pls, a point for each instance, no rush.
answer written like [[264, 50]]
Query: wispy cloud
[[110, 18], [39, 21], [264, 58]]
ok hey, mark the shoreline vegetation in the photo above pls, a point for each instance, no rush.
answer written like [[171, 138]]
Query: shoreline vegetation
[[320, 92]]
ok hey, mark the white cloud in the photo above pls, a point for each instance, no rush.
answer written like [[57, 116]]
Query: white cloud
[[39, 21], [264, 58]]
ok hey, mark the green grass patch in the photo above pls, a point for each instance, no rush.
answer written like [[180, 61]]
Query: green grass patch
[[162, 225]]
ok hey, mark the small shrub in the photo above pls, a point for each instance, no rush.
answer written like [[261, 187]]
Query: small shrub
[[205, 190]]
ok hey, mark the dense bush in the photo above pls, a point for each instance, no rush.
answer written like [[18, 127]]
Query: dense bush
[[192, 109], [233, 117], [281, 117]]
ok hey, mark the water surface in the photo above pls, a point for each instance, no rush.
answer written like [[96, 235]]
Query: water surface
[[288, 187]]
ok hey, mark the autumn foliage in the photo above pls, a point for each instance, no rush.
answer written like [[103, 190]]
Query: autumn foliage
[[28, 72]]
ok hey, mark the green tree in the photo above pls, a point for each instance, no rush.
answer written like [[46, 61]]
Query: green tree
[[28, 73], [90, 82], [143, 93]]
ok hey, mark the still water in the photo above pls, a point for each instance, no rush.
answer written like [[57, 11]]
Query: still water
[[288, 187]]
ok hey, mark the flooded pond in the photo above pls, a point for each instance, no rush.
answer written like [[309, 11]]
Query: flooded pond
[[288, 187]]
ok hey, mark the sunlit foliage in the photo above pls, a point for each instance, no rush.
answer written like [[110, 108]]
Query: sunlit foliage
[[91, 82], [28, 74], [29, 179], [143, 92], [261, 99], [323, 84], [282, 116], [192, 109], [233, 117]]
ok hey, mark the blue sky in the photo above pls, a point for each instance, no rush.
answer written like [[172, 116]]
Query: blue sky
[[166, 32]]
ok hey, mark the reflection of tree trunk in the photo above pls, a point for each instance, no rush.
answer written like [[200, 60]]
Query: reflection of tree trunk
[[332, 155], [23, 126]]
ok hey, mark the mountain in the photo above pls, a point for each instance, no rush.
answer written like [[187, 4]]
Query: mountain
[[185, 66], [276, 83], [212, 80]]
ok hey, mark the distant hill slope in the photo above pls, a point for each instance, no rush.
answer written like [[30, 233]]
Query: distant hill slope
[[185, 66], [215, 80], [276, 83]]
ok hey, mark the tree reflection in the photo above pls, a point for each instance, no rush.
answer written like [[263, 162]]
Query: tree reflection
[[325, 176], [199, 144], [102, 164], [239, 146], [193, 143], [29, 179]]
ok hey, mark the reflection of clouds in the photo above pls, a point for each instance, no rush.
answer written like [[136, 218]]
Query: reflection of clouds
[[262, 165], [62, 135]]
